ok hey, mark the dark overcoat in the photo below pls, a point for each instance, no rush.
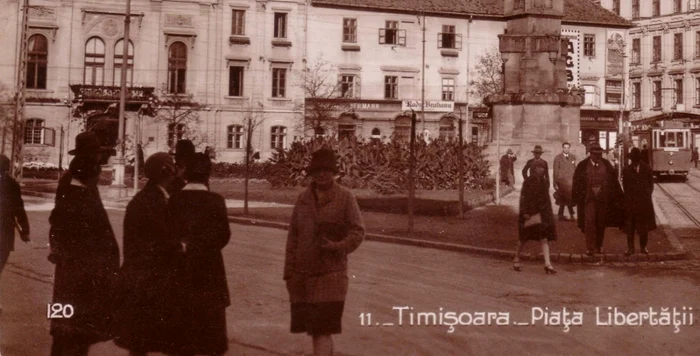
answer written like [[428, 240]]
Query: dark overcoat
[[11, 213], [87, 261], [614, 200], [638, 187], [199, 220], [151, 286], [563, 175], [534, 199], [507, 170], [526, 169]]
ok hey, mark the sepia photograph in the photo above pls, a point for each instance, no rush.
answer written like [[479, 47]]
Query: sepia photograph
[[349, 177]]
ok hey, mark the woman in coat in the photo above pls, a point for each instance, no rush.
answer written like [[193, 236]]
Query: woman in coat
[[199, 220], [326, 226], [534, 201], [151, 288], [86, 255]]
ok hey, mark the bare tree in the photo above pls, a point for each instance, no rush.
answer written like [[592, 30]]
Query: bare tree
[[251, 121], [180, 112], [489, 75], [322, 90]]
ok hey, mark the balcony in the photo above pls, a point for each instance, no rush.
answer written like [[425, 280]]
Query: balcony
[[100, 97]]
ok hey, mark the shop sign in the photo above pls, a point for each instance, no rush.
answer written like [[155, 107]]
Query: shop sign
[[430, 106], [613, 91]]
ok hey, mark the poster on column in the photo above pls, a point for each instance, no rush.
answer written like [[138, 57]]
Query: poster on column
[[573, 57]]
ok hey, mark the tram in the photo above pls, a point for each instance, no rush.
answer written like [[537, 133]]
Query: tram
[[669, 148]]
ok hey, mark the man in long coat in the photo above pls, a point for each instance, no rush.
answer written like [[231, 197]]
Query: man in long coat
[[507, 171], [11, 212], [537, 152], [637, 179], [564, 167], [598, 197]]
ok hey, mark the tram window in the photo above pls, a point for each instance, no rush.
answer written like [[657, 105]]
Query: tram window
[[662, 140], [679, 140]]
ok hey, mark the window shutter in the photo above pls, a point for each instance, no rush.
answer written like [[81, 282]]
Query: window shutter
[[49, 137], [402, 38], [357, 87], [458, 41], [382, 36], [440, 40], [596, 101]]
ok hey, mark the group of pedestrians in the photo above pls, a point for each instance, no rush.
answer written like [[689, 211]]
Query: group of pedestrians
[[593, 187], [170, 293]]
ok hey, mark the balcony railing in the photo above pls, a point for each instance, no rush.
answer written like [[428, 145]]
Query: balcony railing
[[110, 94]]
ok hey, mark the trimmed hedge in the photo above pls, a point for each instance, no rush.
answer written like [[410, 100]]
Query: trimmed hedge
[[383, 167]]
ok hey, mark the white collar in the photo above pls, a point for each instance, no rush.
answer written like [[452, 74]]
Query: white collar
[[77, 183], [165, 192], [195, 186]]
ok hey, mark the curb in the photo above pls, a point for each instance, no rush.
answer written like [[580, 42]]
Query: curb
[[52, 196], [561, 258]]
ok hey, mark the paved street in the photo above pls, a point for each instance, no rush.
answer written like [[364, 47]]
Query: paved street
[[385, 276]]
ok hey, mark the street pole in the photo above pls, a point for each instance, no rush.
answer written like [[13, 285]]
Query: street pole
[[18, 131], [411, 171], [620, 129], [119, 161], [60, 155], [460, 157], [498, 160], [422, 91]]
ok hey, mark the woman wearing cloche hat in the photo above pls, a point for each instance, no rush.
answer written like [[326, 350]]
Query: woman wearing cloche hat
[[326, 226]]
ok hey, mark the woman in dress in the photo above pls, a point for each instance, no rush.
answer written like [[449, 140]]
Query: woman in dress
[[86, 255], [150, 291], [326, 226], [200, 222], [535, 205]]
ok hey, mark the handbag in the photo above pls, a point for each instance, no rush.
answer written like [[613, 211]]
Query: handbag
[[533, 220]]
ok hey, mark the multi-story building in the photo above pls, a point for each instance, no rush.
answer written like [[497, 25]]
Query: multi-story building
[[231, 60], [664, 70]]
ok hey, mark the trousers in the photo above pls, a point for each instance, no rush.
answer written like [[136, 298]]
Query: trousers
[[594, 225], [643, 235]]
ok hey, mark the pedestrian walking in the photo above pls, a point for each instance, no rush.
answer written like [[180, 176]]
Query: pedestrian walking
[[150, 293], [184, 153], [638, 184], [536, 219], [537, 153], [12, 214], [86, 145], [694, 157], [645, 154], [199, 221], [507, 168], [86, 255], [564, 167], [598, 197], [326, 226]]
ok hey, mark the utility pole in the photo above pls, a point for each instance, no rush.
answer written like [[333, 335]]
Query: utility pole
[[411, 171], [422, 71], [119, 161], [460, 157], [17, 131], [620, 129]]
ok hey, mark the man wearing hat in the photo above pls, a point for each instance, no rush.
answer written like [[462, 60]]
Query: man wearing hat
[[637, 179], [507, 170], [598, 197], [184, 153], [564, 167], [86, 145], [537, 152]]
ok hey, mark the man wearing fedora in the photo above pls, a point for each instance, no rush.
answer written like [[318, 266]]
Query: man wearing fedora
[[507, 170], [537, 152], [564, 167], [598, 198]]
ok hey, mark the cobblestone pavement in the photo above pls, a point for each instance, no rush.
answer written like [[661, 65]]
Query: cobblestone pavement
[[685, 228]]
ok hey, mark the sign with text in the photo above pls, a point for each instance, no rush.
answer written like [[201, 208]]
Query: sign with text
[[430, 106], [613, 91], [573, 57]]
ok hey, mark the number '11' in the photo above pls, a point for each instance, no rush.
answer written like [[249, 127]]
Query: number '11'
[[365, 319]]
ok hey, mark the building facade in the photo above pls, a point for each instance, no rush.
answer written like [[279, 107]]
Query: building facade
[[224, 62]]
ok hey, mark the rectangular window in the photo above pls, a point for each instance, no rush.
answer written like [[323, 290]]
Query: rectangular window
[[635, 9], [677, 6], [589, 45], [677, 46], [235, 137], [616, 7], [391, 87], [589, 96], [636, 50], [448, 37], [280, 25], [391, 34], [350, 30], [349, 86], [697, 44], [636, 95], [448, 89], [278, 137], [235, 81], [238, 23], [697, 91], [279, 76], [656, 94], [655, 7], [656, 49], [677, 91], [175, 133]]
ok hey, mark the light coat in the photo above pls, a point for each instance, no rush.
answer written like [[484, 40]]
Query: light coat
[[564, 177]]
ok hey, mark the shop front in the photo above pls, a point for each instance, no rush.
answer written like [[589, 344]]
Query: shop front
[[600, 126]]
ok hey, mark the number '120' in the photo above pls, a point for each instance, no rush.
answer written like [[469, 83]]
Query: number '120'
[[59, 311]]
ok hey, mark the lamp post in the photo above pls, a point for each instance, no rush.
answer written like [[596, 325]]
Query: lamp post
[[411, 171], [119, 161]]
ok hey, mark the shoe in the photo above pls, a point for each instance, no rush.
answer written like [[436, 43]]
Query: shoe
[[573, 218], [589, 252], [645, 251], [516, 266], [549, 270], [629, 252]]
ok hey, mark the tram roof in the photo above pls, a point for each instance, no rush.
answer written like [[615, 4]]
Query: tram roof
[[676, 117]]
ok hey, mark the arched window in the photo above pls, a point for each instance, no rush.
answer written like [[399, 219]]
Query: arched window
[[177, 68], [402, 128], [94, 61], [118, 59], [447, 128], [278, 137], [235, 136], [34, 132], [37, 60], [376, 135]]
